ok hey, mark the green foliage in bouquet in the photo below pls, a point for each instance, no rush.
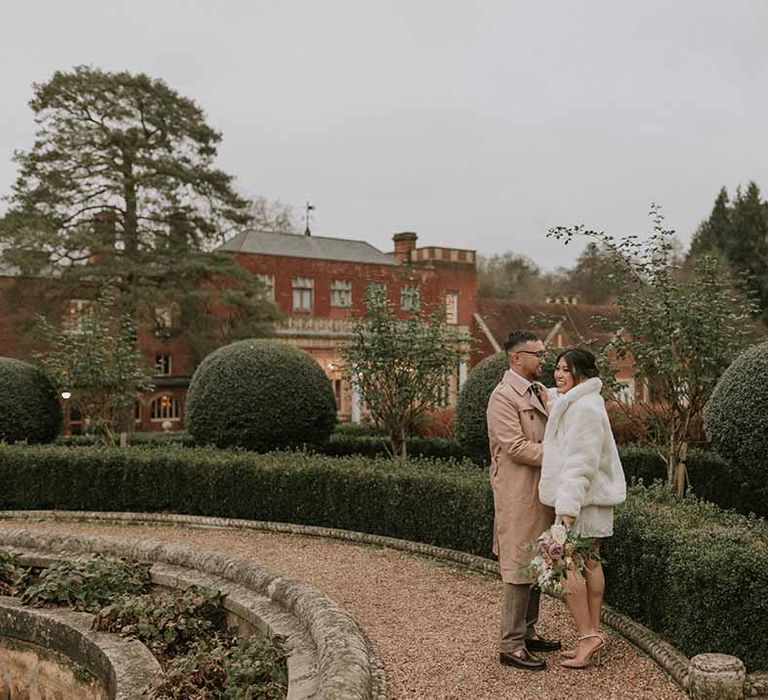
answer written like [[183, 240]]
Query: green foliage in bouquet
[[556, 553]]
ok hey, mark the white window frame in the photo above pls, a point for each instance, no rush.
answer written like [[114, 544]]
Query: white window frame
[[410, 298], [341, 294], [163, 364], [267, 286], [452, 307], [303, 293], [625, 393]]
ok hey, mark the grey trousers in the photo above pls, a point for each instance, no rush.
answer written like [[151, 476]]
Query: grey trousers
[[519, 614]]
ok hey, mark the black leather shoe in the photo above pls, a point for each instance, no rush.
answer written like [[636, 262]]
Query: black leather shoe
[[522, 659], [539, 644]]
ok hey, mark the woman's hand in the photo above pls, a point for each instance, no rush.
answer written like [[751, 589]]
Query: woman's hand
[[567, 520]]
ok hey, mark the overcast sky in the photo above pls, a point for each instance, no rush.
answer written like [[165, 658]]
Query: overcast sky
[[476, 124]]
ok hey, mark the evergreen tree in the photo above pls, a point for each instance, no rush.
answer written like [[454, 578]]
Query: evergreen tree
[[120, 187]]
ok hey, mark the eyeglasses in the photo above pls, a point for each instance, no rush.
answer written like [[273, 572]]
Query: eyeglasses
[[541, 354]]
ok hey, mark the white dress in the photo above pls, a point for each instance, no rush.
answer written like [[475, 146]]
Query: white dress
[[594, 521]]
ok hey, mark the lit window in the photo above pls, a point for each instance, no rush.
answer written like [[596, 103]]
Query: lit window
[[77, 310], [341, 293], [303, 291], [452, 307], [267, 286], [162, 365], [409, 297], [165, 407]]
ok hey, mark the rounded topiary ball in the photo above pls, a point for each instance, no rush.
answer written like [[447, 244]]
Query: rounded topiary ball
[[29, 405], [736, 416], [472, 403], [261, 395]]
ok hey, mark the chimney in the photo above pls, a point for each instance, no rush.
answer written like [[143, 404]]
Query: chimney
[[404, 243]]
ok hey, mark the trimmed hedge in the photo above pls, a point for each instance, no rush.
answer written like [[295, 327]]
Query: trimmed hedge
[[260, 395], [29, 405], [736, 415], [472, 403], [694, 573], [343, 443]]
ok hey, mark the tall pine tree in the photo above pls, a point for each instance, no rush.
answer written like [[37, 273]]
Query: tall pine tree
[[120, 187]]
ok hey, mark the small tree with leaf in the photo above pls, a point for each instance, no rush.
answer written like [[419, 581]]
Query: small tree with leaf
[[96, 361], [402, 367], [681, 331]]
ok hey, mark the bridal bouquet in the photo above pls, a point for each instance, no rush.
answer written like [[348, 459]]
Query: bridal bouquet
[[556, 552]]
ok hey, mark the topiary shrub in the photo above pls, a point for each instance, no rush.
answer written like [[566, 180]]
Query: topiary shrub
[[472, 403], [29, 405], [736, 416], [260, 395]]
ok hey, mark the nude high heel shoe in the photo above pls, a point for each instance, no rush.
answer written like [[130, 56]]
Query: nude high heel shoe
[[571, 653], [587, 661]]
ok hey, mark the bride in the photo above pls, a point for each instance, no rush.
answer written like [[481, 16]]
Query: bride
[[582, 478]]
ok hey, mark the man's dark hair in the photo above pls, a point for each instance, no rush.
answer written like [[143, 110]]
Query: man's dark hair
[[518, 338], [581, 363]]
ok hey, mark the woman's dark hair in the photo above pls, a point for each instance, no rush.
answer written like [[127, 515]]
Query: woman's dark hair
[[581, 363]]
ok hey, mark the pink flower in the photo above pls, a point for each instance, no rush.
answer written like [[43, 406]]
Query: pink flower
[[556, 552]]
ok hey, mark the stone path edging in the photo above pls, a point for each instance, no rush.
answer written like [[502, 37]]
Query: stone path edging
[[670, 659], [347, 668], [125, 667]]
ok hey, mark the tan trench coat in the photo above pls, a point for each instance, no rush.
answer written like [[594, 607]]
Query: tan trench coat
[[516, 422]]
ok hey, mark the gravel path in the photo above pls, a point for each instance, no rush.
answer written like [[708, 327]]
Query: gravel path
[[433, 626]]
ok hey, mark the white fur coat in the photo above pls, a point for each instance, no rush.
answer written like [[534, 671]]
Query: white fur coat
[[581, 465]]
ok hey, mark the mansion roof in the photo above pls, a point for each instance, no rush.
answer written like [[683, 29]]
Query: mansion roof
[[301, 246]]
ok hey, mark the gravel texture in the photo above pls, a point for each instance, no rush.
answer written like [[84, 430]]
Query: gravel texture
[[434, 626]]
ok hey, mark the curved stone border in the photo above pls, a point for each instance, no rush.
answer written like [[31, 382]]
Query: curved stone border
[[125, 667], [670, 659], [346, 664]]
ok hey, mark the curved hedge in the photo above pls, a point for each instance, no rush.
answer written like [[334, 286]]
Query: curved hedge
[[29, 405], [260, 395], [736, 416], [472, 403], [692, 572]]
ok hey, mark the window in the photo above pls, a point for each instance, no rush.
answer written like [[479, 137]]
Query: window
[[341, 293], [376, 288], [165, 407], [137, 411], [303, 291], [77, 310], [162, 365], [626, 391], [167, 318], [409, 297], [267, 286], [452, 307]]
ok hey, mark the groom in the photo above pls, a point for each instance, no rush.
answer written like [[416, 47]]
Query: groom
[[517, 415]]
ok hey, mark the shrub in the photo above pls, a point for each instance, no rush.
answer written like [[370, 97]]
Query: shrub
[[260, 395], [87, 585], [472, 403], [342, 444], [692, 572], [736, 416], [439, 423], [29, 406]]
